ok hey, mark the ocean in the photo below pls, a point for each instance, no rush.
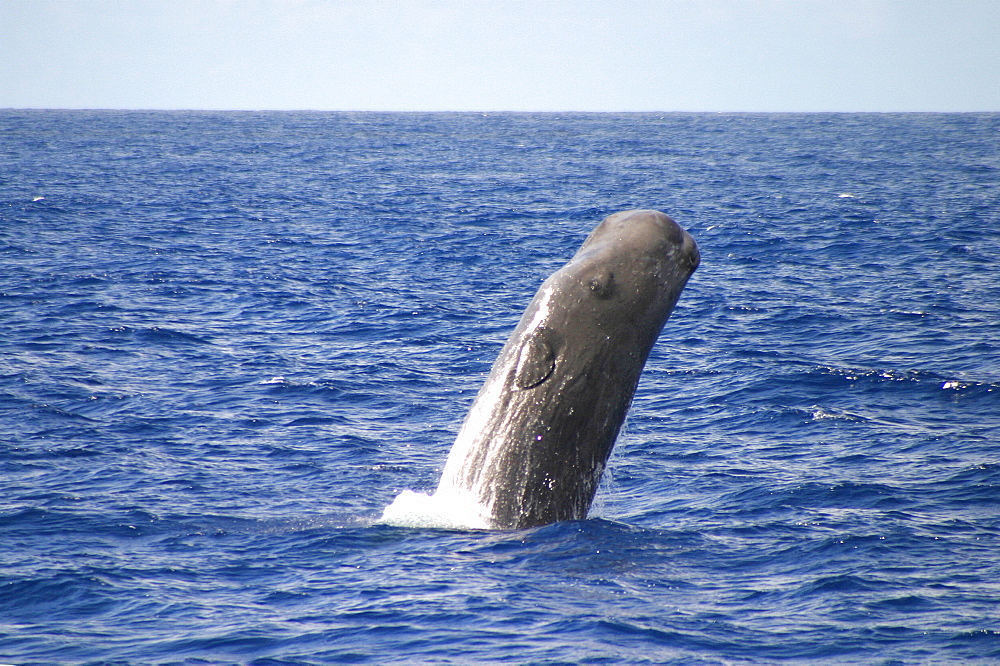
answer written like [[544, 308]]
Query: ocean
[[229, 339]]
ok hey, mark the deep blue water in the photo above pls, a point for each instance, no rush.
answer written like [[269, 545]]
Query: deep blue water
[[228, 340]]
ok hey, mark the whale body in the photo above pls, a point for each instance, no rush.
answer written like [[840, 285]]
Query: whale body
[[535, 442]]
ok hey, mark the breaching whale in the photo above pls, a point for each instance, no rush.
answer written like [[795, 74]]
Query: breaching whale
[[535, 443]]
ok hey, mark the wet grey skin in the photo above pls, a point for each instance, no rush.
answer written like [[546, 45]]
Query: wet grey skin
[[538, 436]]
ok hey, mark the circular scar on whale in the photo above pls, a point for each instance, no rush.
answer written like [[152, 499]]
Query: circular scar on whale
[[535, 363]]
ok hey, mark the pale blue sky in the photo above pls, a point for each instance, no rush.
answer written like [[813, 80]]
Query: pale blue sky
[[487, 55]]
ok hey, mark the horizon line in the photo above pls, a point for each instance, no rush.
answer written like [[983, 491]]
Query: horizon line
[[479, 111]]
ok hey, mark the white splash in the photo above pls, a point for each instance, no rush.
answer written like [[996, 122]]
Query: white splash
[[443, 510]]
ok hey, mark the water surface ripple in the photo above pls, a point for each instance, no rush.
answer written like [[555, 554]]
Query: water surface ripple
[[228, 340]]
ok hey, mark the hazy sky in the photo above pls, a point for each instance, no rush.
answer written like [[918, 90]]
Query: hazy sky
[[588, 55]]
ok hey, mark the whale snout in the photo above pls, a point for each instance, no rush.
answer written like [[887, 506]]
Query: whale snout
[[689, 252], [643, 238], [645, 231]]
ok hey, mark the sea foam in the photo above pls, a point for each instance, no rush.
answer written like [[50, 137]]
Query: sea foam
[[443, 510]]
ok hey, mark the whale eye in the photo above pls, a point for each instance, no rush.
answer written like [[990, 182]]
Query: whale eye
[[602, 284], [535, 362]]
